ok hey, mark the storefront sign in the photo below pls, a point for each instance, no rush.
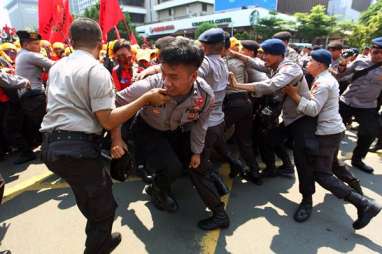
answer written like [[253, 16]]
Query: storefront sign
[[216, 21], [159, 29]]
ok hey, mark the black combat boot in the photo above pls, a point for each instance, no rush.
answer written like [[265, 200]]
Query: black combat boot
[[254, 174], [143, 173], [161, 199], [358, 163], [219, 219], [366, 209], [114, 241], [304, 210], [356, 186]]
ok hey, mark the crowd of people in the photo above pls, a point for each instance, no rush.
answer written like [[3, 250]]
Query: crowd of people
[[175, 103]]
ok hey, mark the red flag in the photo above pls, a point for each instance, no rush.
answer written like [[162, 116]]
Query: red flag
[[54, 20], [109, 16], [132, 39]]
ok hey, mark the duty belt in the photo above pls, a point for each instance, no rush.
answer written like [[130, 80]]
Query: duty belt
[[60, 135]]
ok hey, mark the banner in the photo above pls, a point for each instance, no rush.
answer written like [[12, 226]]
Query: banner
[[110, 15], [54, 20]]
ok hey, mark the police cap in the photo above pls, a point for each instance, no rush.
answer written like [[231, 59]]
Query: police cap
[[322, 56], [335, 45], [284, 36], [26, 36], [273, 47], [213, 35], [250, 45]]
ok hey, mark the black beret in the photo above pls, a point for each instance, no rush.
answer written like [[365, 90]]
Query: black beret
[[250, 44], [213, 35], [284, 36]]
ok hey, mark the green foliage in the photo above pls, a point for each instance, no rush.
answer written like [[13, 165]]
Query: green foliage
[[244, 36], [268, 26], [373, 10], [203, 27], [368, 27], [314, 24]]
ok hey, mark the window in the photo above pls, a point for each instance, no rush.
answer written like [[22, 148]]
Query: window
[[204, 7]]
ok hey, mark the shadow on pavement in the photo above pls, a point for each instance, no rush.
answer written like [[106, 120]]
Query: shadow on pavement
[[10, 171], [329, 227], [166, 232]]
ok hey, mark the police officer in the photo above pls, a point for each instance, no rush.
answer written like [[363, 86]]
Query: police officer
[[290, 53], [214, 70], [360, 100], [323, 103], [81, 103], [250, 48], [284, 72], [173, 137], [335, 48], [238, 111], [30, 64]]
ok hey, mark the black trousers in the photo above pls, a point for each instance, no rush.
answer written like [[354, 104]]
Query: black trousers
[[79, 163], [238, 110], [272, 142], [167, 155], [305, 147], [16, 128], [323, 174], [3, 140], [34, 109], [368, 127]]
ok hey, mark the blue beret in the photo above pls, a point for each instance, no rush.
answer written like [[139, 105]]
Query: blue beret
[[273, 47], [322, 56], [213, 35], [377, 41]]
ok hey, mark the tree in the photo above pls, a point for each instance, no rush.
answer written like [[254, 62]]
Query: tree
[[315, 24], [268, 26], [92, 12], [368, 27], [201, 28], [373, 10]]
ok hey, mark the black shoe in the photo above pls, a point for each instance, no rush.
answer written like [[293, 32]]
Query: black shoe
[[286, 171], [253, 176], [24, 157], [269, 172], [217, 220], [377, 147], [162, 200], [115, 240], [236, 168], [144, 174], [303, 211], [366, 209], [362, 166], [356, 186]]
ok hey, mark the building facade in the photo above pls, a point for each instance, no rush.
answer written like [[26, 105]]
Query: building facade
[[23, 14], [232, 21], [342, 9]]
